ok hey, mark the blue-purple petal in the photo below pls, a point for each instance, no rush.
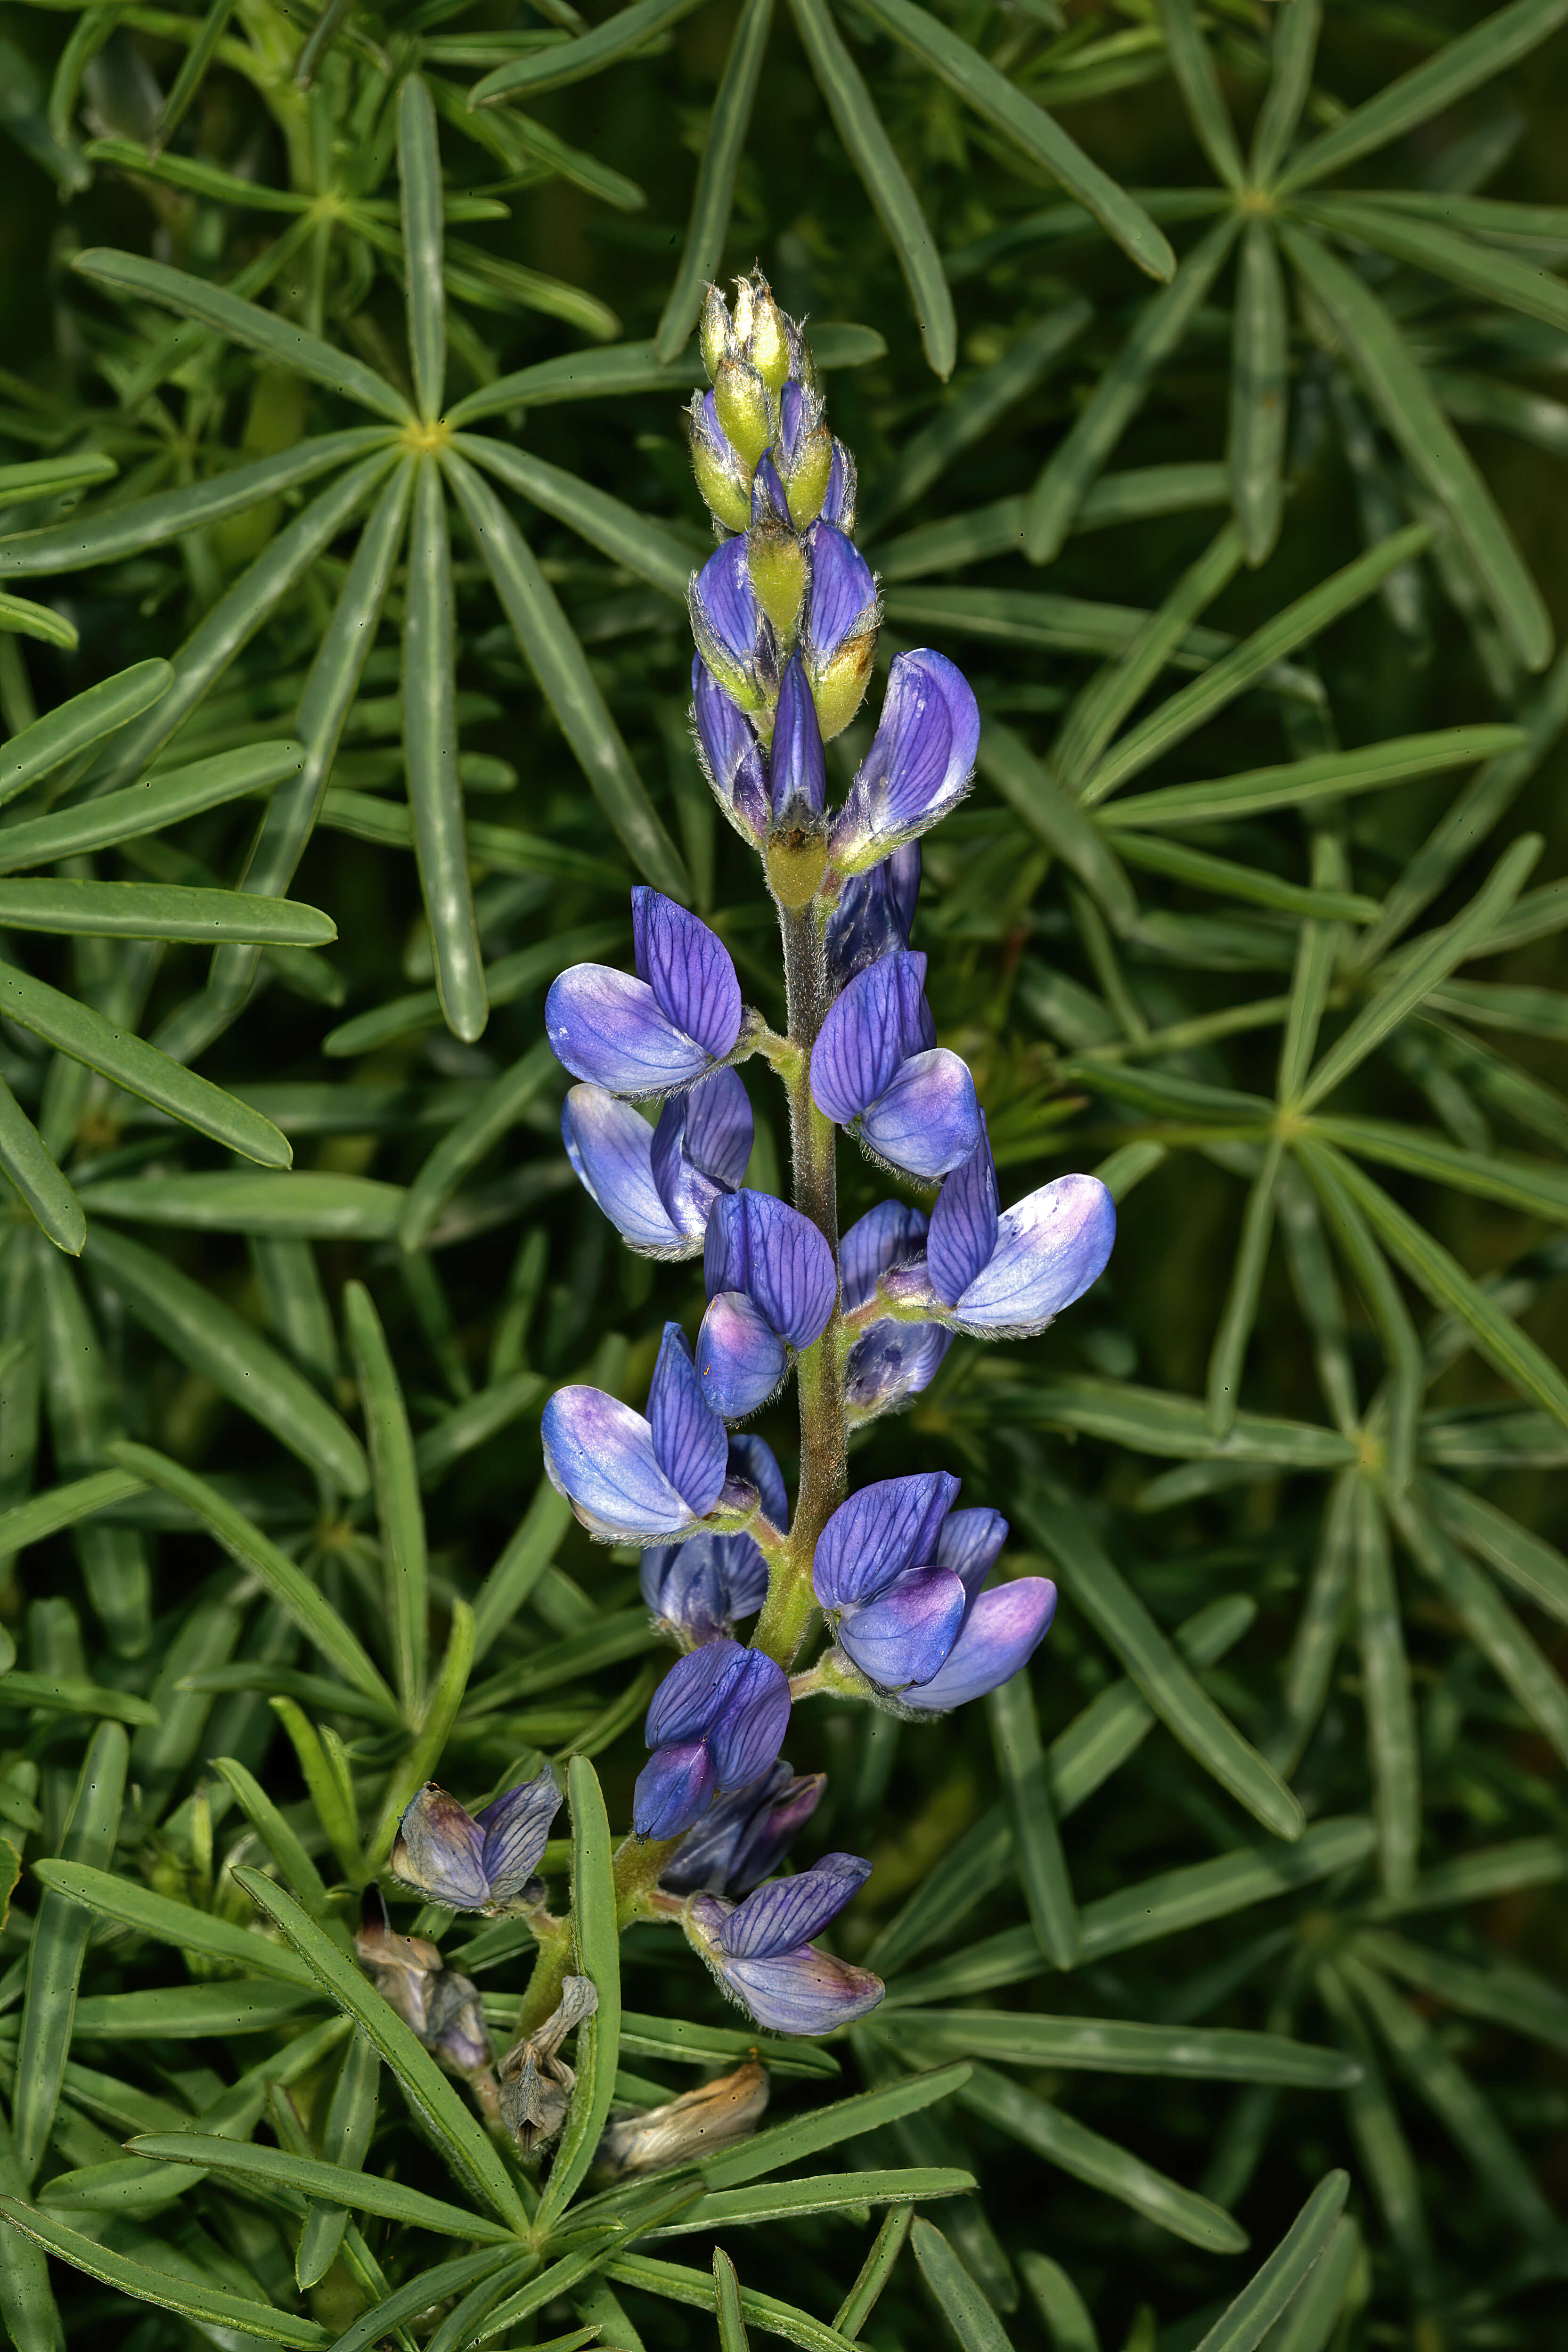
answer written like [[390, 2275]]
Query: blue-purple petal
[[890, 1363], [971, 1544], [730, 751], [928, 1119], [740, 1360], [1001, 1630], [890, 1235], [1049, 1249], [439, 1849], [789, 1913], [880, 1530], [752, 1458], [608, 1027], [688, 969], [868, 1034], [690, 1441], [748, 1728], [515, 1828], [838, 502], [920, 760], [874, 915], [963, 1224], [778, 1258], [842, 596], [725, 605], [903, 1634], [797, 764], [599, 1454], [674, 1789]]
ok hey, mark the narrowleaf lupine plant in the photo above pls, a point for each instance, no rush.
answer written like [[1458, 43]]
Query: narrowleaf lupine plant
[[785, 617]]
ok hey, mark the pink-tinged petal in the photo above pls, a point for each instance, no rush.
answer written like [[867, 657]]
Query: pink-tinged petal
[[904, 1634], [964, 1223], [516, 1827], [609, 1146], [888, 1235], [688, 969], [891, 1525], [868, 1031], [808, 1992], [999, 1634], [606, 1026], [599, 1454], [969, 1544], [740, 1360], [1049, 1249], [689, 1438], [439, 1850], [789, 1913], [928, 1118], [673, 1789], [921, 757], [750, 1722]]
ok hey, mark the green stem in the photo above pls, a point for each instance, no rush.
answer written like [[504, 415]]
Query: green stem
[[637, 1864], [791, 1604], [542, 1997]]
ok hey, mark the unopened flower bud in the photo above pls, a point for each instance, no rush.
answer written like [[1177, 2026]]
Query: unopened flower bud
[[769, 347], [731, 630], [705, 2120], [536, 2083], [838, 627], [716, 335], [838, 499], [777, 563], [741, 398], [725, 483]]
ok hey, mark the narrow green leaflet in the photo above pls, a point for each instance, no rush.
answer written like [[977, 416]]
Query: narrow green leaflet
[[820, 2128], [246, 1544], [827, 2192], [1193, 65], [967, 418], [715, 193], [1248, 2320], [1028, 786], [430, 748], [396, 1481], [1061, 2306], [1326, 776], [858, 2305], [1178, 1899], [419, 174], [596, 1937], [546, 641], [64, 733], [179, 1923], [673, 2282], [275, 340], [647, 548], [208, 2306], [160, 910], [1114, 2047], [1491, 1625], [32, 1168], [472, 1138], [1478, 269], [1533, 1186], [1037, 1840], [306, 1203], [279, 1837], [866, 142], [61, 1506], [732, 2336], [1534, 1567], [365, 2192], [622, 35], [1259, 381], [962, 2302], [147, 807]]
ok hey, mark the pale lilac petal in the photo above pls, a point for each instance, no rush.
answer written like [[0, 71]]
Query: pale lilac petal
[[439, 1850], [516, 1827], [969, 1544], [1002, 1629], [891, 1525], [875, 914], [688, 969], [689, 1438], [963, 1224], [789, 1913], [753, 1459], [928, 1118], [905, 1631], [842, 596], [797, 764], [673, 1789], [608, 1027], [740, 1360], [888, 1235], [609, 1146], [920, 760], [599, 1454], [891, 1362], [1049, 1249], [806, 1992], [868, 1034], [748, 1729]]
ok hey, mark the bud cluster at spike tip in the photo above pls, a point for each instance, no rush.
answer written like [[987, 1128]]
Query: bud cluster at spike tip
[[659, 1130]]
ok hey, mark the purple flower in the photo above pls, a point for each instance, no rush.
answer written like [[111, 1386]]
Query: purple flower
[[665, 1029], [771, 1284], [874, 915], [698, 1589], [1004, 1276], [838, 624], [731, 755], [798, 765], [631, 1480], [657, 1184], [890, 1361], [920, 763], [722, 476], [999, 1628], [731, 630], [744, 1837], [760, 1950], [474, 1861], [876, 1068], [716, 1724], [895, 1608]]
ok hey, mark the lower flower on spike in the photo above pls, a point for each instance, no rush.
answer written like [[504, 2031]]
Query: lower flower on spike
[[762, 1954], [716, 1724]]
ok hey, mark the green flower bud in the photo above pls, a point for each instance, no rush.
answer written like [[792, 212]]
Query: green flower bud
[[741, 398], [806, 483], [777, 563], [723, 480], [769, 349], [716, 334], [839, 685]]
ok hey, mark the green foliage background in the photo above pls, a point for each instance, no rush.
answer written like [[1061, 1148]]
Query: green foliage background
[[1293, 1461]]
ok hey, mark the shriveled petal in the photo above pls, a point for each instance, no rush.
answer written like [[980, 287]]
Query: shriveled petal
[[699, 1148], [753, 1459], [439, 1850], [688, 1437], [875, 914], [842, 596], [890, 1363], [1002, 1629], [740, 1360], [767, 1249], [905, 1632], [673, 1789], [928, 1118], [888, 1235], [599, 1454], [964, 1223], [789, 1913], [685, 1703], [688, 969], [516, 1827], [969, 1544], [891, 1525], [609, 1146], [730, 751], [753, 1716], [868, 1031], [797, 764], [920, 760], [606, 1026], [1049, 1249], [805, 1993]]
